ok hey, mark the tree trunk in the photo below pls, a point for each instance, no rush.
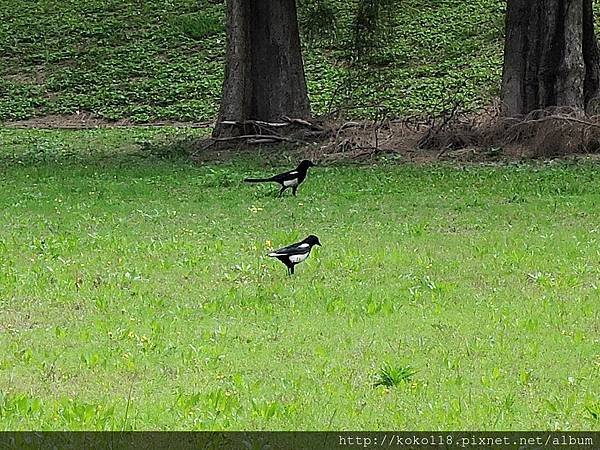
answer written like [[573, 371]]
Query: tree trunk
[[264, 75], [551, 56]]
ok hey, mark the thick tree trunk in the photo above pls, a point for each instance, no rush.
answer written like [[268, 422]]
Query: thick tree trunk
[[551, 55], [264, 76]]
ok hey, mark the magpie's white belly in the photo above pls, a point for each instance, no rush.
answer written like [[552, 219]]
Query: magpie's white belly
[[298, 258], [289, 183]]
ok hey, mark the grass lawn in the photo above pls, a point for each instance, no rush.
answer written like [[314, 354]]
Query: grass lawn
[[135, 293]]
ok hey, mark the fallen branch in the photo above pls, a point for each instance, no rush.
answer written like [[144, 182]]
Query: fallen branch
[[261, 141], [303, 122], [343, 127], [236, 123], [257, 136], [287, 121], [548, 118]]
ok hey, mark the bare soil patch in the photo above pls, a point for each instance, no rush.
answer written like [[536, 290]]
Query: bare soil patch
[[86, 120], [411, 140], [482, 138]]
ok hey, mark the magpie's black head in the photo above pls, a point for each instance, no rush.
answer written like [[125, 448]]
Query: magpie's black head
[[312, 240], [304, 165]]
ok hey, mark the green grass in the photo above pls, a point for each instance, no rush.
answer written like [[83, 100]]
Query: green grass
[[135, 293], [154, 60]]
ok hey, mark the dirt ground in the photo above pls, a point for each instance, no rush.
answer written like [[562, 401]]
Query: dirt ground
[[411, 140], [85, 121]]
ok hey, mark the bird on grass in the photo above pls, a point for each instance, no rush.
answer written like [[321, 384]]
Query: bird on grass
[[291, 179], [295, 253]]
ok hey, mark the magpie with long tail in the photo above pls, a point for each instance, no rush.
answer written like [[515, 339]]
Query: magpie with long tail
[[295, 253], [291, 179]]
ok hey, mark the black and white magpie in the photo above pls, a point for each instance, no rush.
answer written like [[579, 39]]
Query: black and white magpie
[[295, 253], [290, 179]]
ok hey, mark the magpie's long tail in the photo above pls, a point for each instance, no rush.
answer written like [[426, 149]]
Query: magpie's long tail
[[257, 180]]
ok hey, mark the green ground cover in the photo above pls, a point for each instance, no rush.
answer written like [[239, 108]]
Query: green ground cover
[[164, 60]]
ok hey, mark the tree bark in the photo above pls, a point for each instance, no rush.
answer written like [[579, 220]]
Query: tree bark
[[264, 75], [551, 56]]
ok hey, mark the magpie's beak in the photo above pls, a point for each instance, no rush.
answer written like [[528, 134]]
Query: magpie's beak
[[319, 244]]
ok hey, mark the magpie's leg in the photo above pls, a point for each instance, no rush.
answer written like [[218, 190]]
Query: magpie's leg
[[281, 192], [292, 269], [294, 189]]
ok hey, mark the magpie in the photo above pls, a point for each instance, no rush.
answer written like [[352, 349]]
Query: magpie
[[295, 253], [292, 178]]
